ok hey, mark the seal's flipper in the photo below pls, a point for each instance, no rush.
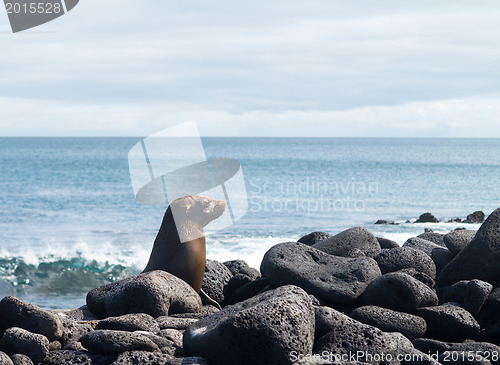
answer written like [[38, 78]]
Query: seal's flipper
[[206, 300]]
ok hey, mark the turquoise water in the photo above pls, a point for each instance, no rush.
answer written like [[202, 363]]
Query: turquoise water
[[69, 220]]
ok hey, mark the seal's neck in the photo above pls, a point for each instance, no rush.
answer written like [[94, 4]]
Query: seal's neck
[[170, 235]]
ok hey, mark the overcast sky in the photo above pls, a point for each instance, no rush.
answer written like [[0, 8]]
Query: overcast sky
[[364, 68]]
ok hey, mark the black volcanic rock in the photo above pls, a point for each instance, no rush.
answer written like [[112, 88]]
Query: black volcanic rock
[[113, 342], [241, 267], [480, 259], [449, 322], [156, 293], [71, 357], [217, 275], [268, 326], [352, 337], [16, 313], [384, 221], [242, 275], [327, 318], [386, 243], [428, 345], [439, 254], [398, 258], [129, 322], [314, 237], [420, 276], [352, 238], [470, 294], [20, 359], [435, 237], [457, 240], [5, 359], [167, 322], [247, 291], [489, 317], [400, 292], [388, 320], [19, 341], [476, 217], [427, 218], [337, 280]]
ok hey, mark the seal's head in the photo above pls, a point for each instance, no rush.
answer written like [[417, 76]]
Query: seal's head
[[192, 213]]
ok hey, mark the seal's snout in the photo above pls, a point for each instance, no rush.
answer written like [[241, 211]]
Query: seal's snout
[[220, 207]]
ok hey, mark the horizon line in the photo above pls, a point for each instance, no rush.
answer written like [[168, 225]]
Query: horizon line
[[268, 137]]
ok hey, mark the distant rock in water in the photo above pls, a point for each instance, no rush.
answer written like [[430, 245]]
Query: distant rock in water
[[427, 218], [383, 221], [476, 217]]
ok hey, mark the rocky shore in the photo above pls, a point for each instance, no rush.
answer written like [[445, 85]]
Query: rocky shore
[[351, 298]]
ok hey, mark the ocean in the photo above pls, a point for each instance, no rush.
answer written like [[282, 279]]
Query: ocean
[[69, 220]]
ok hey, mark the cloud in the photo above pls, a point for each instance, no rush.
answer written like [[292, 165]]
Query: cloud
[[286, 59], [467, 117]]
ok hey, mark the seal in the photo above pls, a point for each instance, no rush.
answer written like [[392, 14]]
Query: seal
[[180, 246]]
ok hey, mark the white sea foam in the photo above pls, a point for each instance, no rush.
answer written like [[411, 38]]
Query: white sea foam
[[250, 249]]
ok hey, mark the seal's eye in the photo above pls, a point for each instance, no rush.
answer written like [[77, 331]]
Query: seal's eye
[[206, 204]]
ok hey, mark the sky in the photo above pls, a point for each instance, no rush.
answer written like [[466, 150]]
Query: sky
[[365, 68]]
